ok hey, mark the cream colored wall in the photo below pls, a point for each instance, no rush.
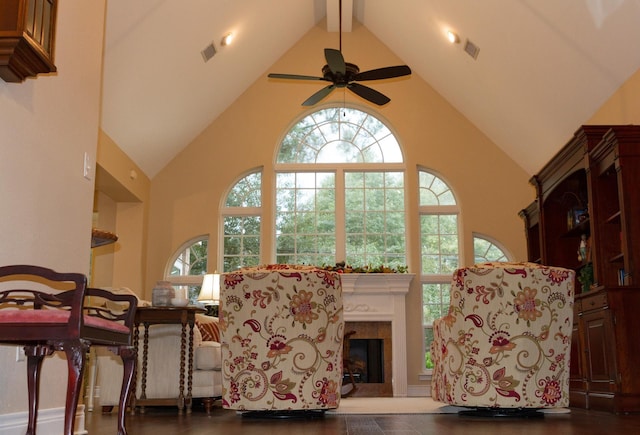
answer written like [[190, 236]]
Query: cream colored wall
[[622, 107], [103, 257], [122, 205], [490, 187], [134, 185], [47, 124]]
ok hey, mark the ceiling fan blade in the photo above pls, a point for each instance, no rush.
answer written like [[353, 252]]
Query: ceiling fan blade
[[294, 77], [369, 94], [335, 61], [315, 98], [384, 73]]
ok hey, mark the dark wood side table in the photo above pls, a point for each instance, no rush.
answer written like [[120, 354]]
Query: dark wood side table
[[184, 316]]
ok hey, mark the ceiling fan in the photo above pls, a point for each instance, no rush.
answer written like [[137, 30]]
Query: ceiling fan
[[343, 74]]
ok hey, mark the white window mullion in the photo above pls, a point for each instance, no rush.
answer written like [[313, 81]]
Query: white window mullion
[[341, 244]]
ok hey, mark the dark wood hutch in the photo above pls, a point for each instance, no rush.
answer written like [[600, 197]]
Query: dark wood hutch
[[588, 196]]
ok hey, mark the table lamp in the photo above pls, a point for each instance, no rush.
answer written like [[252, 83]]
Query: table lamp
[[210, 293]]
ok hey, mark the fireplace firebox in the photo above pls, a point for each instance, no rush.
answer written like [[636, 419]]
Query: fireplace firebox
[[367, 356], [370, 354]]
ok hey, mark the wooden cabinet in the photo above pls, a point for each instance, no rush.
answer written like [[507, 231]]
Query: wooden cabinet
[[27, 38], [590, 192], [531, 217]]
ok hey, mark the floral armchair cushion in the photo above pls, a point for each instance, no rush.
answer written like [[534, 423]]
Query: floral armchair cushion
[[281, 330], [506, 340]]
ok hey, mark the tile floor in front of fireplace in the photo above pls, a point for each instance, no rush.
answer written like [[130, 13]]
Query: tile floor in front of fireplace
[[167, 421]]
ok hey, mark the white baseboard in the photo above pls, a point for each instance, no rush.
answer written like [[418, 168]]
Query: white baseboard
[[50, 422], [419, 391]]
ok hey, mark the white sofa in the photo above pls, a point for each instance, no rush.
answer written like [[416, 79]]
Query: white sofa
[[163, 366]]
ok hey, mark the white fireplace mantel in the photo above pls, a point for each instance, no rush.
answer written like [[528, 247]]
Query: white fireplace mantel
[[380, 297]]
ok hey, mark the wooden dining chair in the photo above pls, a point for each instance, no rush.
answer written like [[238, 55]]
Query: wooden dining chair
[[47, 311]]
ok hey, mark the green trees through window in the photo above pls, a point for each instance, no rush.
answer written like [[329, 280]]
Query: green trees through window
[[340, 191], [188, 265], [242, 223], [486, 250], [440, 250]]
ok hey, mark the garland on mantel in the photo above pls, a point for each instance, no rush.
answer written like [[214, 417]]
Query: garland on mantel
[[342, 267]]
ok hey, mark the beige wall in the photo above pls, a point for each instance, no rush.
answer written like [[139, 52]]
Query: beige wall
[[46, 125], [121, 206], [623, 106], [491, 188], [103, 257]]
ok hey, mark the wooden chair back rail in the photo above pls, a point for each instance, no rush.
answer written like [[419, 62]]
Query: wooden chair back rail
[[65, 318]]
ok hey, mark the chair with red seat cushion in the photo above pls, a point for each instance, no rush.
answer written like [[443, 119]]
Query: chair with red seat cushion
[[47, 311]]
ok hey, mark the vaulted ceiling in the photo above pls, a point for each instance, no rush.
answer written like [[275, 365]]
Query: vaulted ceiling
[[544, 66]]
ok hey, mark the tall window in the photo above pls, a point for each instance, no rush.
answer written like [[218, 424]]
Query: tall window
[[440, 247], [242, 226], [340, 191]]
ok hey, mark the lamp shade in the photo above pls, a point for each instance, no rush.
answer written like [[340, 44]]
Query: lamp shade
[[210, 290]]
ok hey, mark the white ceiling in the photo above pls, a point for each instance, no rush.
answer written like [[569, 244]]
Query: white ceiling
[[544, 67]]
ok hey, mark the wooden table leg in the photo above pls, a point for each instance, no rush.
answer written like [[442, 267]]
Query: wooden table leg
[[190, 370], [183, 352]]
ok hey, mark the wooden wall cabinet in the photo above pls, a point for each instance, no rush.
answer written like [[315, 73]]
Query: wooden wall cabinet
[[591, 190], [27, 38]]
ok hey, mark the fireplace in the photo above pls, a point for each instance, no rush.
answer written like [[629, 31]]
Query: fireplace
[[374, 305]]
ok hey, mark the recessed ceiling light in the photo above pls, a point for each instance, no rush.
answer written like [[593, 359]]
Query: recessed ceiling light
[[453, 37], [227, 39]]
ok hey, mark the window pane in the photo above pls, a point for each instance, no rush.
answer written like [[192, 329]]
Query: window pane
[[246, 192], [305, 218], [484, 251], [191, 260], [435, 301], [241, 241], [434, 191], [428, 339], [339, 135], [439, 237], [435, 304], [375, 235]]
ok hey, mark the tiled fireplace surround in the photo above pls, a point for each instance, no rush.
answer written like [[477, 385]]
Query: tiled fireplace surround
[[373, 297]]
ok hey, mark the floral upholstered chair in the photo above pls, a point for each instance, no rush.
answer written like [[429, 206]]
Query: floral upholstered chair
[[281, 329], [505, 344]]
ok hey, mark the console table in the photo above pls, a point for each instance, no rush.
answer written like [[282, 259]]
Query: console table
[[184, 316]]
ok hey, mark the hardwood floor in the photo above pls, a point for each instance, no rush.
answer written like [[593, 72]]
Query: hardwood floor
[[166, 421]]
